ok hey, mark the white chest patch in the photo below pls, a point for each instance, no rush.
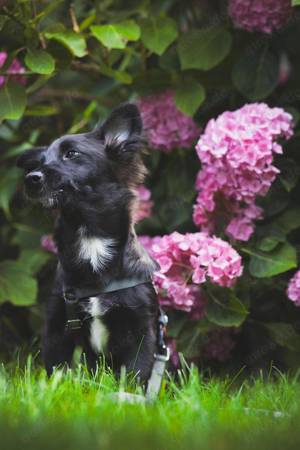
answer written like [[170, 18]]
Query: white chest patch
[[98, 331], [97, 251]]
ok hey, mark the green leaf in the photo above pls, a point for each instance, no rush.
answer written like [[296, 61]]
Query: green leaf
[[33, 260], [16, 284], [8, 183], [158, 33], [189, 96], [3, 20], [192, 335], [289, 220], [284, 335], [13, 151], [39, 61], [129, 29], [122, 77], [295, 2], [276, 200], [39, 82], [256, 73], [204, 49], [71, 40], [169, 60], [152, 80], [224, 308], [27, 237], [271, 241], [265, 265], [116, 35], [41, 110], [88, 21], [12, 101], [47, 10], [289, 173]]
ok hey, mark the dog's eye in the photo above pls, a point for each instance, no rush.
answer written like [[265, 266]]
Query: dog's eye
[[70, 154]]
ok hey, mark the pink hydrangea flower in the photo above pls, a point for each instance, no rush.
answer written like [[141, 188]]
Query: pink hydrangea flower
[[187, 261], [144, 204], [236, 152], [48, 244], [166, 127], [219, 345], [293, 290], [148, 241], [16, 69], [260, 15]]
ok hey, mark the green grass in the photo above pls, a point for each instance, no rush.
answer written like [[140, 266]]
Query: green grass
[[73, 410]]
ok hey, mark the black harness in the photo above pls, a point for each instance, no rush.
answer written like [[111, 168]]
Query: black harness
[[74, 299]]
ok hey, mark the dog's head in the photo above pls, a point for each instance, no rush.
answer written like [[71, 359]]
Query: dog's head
[[74, 165]]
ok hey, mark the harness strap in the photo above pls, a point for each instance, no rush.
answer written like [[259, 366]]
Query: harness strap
[[73, 298], [73, 322]]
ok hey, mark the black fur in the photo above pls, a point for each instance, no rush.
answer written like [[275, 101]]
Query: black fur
[[89, 178]]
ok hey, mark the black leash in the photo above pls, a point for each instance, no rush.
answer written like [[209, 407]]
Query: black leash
[[74, 323]]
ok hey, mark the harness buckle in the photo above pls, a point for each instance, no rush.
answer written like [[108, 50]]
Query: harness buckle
[[73, 324], [164, 358]]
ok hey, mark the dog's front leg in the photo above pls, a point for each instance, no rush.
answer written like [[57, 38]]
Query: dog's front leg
[[57, 350], [141, 357], [57, 346]]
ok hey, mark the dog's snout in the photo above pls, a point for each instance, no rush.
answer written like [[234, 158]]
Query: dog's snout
[[34, 179]]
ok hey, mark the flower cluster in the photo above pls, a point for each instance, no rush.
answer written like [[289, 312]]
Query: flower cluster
[[293, 290], [219, 345], [186, 261], [165, 126], [48, 244], [236, 152], [16, 69], [144, 204], [260, 15]]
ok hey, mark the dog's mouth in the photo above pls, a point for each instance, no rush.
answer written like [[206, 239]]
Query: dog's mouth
[[48, 200], [53, 200]]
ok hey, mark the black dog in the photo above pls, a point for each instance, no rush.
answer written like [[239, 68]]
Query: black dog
[[103, 290]]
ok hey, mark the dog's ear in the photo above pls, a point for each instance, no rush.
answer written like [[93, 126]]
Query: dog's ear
[[30, 159], [121, 132], [121, 135]]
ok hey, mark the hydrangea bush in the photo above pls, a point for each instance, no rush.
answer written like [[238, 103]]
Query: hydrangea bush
[[237, 151], [260, 15], [188, 260], [293, 291], [166, 127], [14, 70], [218, 88]]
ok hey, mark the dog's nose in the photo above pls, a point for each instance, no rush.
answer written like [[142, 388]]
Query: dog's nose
[[34, 179]]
